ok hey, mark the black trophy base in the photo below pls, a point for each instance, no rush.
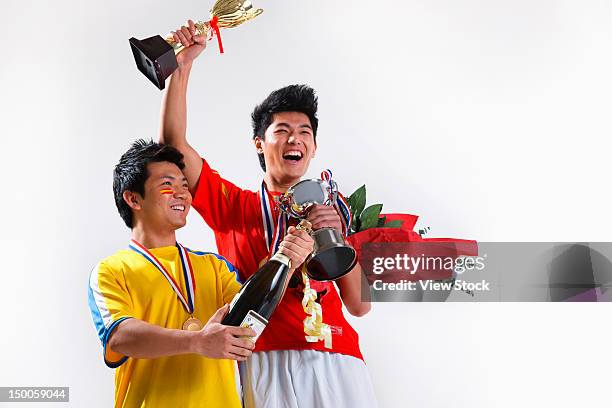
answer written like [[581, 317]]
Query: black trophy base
[[155, 58], [331, 264]]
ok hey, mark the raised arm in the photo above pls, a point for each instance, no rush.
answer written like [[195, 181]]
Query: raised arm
[[139, 339], [173, 128]]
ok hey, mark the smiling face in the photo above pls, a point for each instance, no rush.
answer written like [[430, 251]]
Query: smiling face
[[166, 201], [288, 147]]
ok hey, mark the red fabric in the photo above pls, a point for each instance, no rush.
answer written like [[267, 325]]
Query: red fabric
[[234, 215], [409, 220], [451, 247], [405, 233], [382, 235]]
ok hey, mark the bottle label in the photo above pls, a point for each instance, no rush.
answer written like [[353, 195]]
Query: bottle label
[[256, 322]]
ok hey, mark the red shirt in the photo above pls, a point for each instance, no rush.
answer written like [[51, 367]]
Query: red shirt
[[235, 216]]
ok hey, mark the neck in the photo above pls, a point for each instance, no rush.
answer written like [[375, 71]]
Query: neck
[[152, 238], [279, 185]]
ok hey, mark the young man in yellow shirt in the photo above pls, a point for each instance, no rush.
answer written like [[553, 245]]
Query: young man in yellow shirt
[[149, 302]]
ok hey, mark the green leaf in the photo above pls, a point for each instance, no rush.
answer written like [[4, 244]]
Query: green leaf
[[393, 224], [356, 224], [381, 221], [369, 216], [357, 201]]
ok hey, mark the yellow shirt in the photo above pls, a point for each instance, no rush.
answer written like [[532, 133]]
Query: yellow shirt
[[126, 285]]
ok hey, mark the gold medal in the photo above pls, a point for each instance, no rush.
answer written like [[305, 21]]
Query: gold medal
[[187, 299], [192, 324]]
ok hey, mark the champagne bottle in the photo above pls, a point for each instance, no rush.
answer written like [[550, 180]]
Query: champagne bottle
[[254, 304]]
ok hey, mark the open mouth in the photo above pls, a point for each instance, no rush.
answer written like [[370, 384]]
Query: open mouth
[[180, 208], [293, 155]]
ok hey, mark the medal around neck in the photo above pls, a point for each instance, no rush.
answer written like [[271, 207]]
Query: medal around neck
[[192, 324], [331, 258], [156, 57], [187, 298]]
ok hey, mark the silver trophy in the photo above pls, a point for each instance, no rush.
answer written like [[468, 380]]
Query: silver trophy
[[331, 258]]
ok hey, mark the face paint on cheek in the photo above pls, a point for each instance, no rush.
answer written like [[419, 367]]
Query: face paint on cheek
[[166, 191]]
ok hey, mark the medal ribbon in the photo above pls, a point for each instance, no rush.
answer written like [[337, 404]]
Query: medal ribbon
[[266, 214], [341, 205], [347, 217], [273, 232], [188, 300]]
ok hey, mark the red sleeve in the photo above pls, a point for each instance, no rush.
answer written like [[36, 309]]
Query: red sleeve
[[217, 200]]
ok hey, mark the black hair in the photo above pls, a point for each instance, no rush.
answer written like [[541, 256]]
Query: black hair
[[292, 98], [131, 172]]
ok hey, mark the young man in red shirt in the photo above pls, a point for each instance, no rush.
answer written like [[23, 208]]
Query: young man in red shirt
[[293, 364]]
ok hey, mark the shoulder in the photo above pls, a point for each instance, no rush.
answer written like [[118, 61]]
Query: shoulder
[[120, 259], [212, 186], [116, 264]]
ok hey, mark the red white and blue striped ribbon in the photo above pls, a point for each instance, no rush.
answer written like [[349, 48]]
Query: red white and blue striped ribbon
[[281, 229], [187, 300], [266, 214], [340, 204], [274, 231], [326, 175], [347, 217]]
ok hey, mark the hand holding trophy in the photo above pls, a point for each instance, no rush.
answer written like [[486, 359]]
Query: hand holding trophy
[[156, 56], [194, 44]]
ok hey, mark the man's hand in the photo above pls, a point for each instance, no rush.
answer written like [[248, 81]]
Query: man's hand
[[297, 245], [194, 44], [218, 341], [322, 216]]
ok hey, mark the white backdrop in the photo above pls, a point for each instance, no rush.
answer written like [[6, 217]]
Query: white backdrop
[[490, 119]]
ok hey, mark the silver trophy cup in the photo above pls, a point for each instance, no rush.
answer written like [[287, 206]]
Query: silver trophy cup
[[331, 258]]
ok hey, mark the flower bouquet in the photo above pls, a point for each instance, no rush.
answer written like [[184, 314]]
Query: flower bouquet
[[375, 235]]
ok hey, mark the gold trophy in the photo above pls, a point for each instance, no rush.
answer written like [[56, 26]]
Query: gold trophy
[[156, 57]]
